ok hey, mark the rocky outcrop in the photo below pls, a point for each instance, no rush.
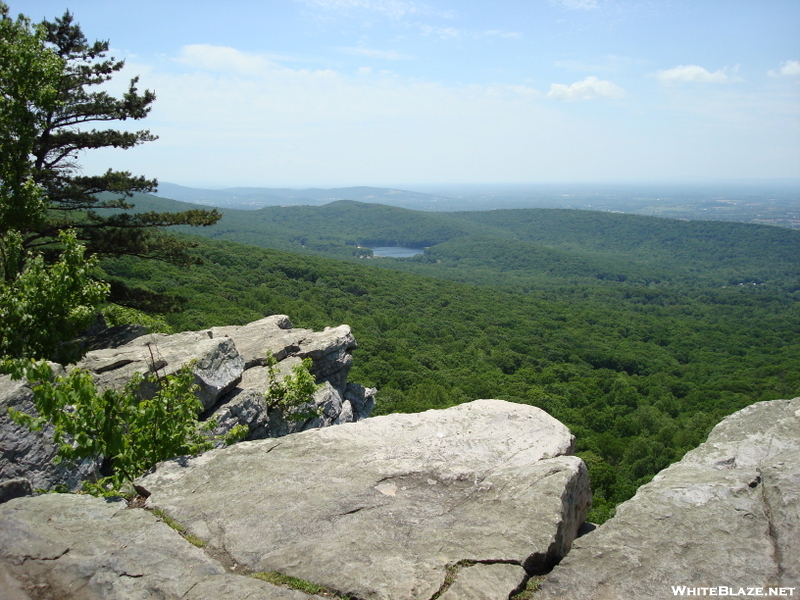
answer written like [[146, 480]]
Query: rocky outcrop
[[380, 509], [75, 547], [218, 366], [228, 365], [727, 516], [466, 502]]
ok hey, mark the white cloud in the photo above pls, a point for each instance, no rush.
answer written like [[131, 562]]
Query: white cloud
[[260, 122], [577, 4], [223, 59], [588, 89], [694, 73], [391, 8], [364, 70], [384, 54], [443, 32], [789, 68], [299, 126]]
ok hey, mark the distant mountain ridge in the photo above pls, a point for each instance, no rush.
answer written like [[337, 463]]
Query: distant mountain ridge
[[519, 247], [773, 202], [251, 198]]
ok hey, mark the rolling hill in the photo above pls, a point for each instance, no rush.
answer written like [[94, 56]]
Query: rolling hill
[[524, 248]]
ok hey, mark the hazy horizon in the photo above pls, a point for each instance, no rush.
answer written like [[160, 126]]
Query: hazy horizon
[[412, 186], [298, 93]]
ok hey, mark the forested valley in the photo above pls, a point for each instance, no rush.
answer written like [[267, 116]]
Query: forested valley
[[639, 333]]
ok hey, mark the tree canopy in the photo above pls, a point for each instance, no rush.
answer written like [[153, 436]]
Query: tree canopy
[[41, 306], [78, 201], [53, 218], [52, 110], [28, 88]]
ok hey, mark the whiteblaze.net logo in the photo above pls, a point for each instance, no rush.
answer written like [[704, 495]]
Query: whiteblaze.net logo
[[731, 592]]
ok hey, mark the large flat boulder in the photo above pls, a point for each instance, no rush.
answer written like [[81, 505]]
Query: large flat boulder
[[76, 547], [727, 516], [381, 508]]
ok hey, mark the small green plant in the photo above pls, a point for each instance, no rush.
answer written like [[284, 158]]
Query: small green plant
[[287, 581], [531, 587], [295, 583], [237, 434], [293, 392], [43, 307], [451, 574], [130, 432], [173, 524]]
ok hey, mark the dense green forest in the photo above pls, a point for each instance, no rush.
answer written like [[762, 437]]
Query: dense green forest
[[539, 244], [639, 333]]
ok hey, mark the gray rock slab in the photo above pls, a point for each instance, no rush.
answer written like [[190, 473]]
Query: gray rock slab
[[218, 364], [485, 582], [15, 488], [248, 408], [379, 509], [331, 353], [273, 334], [77, 547], [361, 399], [242, 588], [11, 588], [29, 454], [330, 349], [258, 377], [728, 514]]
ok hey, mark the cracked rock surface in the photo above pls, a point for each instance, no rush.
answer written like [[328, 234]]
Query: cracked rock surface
[[74, 547], [379, 509], [728, 514], [485, 582]]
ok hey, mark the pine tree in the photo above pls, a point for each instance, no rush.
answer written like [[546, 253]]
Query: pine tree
[[97, 207], [41, 305], [28, 81]]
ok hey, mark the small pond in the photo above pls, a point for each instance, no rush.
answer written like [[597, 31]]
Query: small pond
[[397, 251]]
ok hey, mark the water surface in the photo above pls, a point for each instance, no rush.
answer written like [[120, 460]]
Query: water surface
[[397, 251]]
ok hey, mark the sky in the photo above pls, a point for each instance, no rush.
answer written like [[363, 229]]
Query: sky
[[324, 93]]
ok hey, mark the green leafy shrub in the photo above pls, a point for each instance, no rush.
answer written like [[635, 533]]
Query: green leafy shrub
[[291, 393], [132, 433], [116, 314], [44, 306]]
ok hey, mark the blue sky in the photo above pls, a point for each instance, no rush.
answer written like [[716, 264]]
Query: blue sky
[[305, 93]]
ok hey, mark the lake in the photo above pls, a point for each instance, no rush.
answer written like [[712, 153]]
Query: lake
[[397, 251]]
